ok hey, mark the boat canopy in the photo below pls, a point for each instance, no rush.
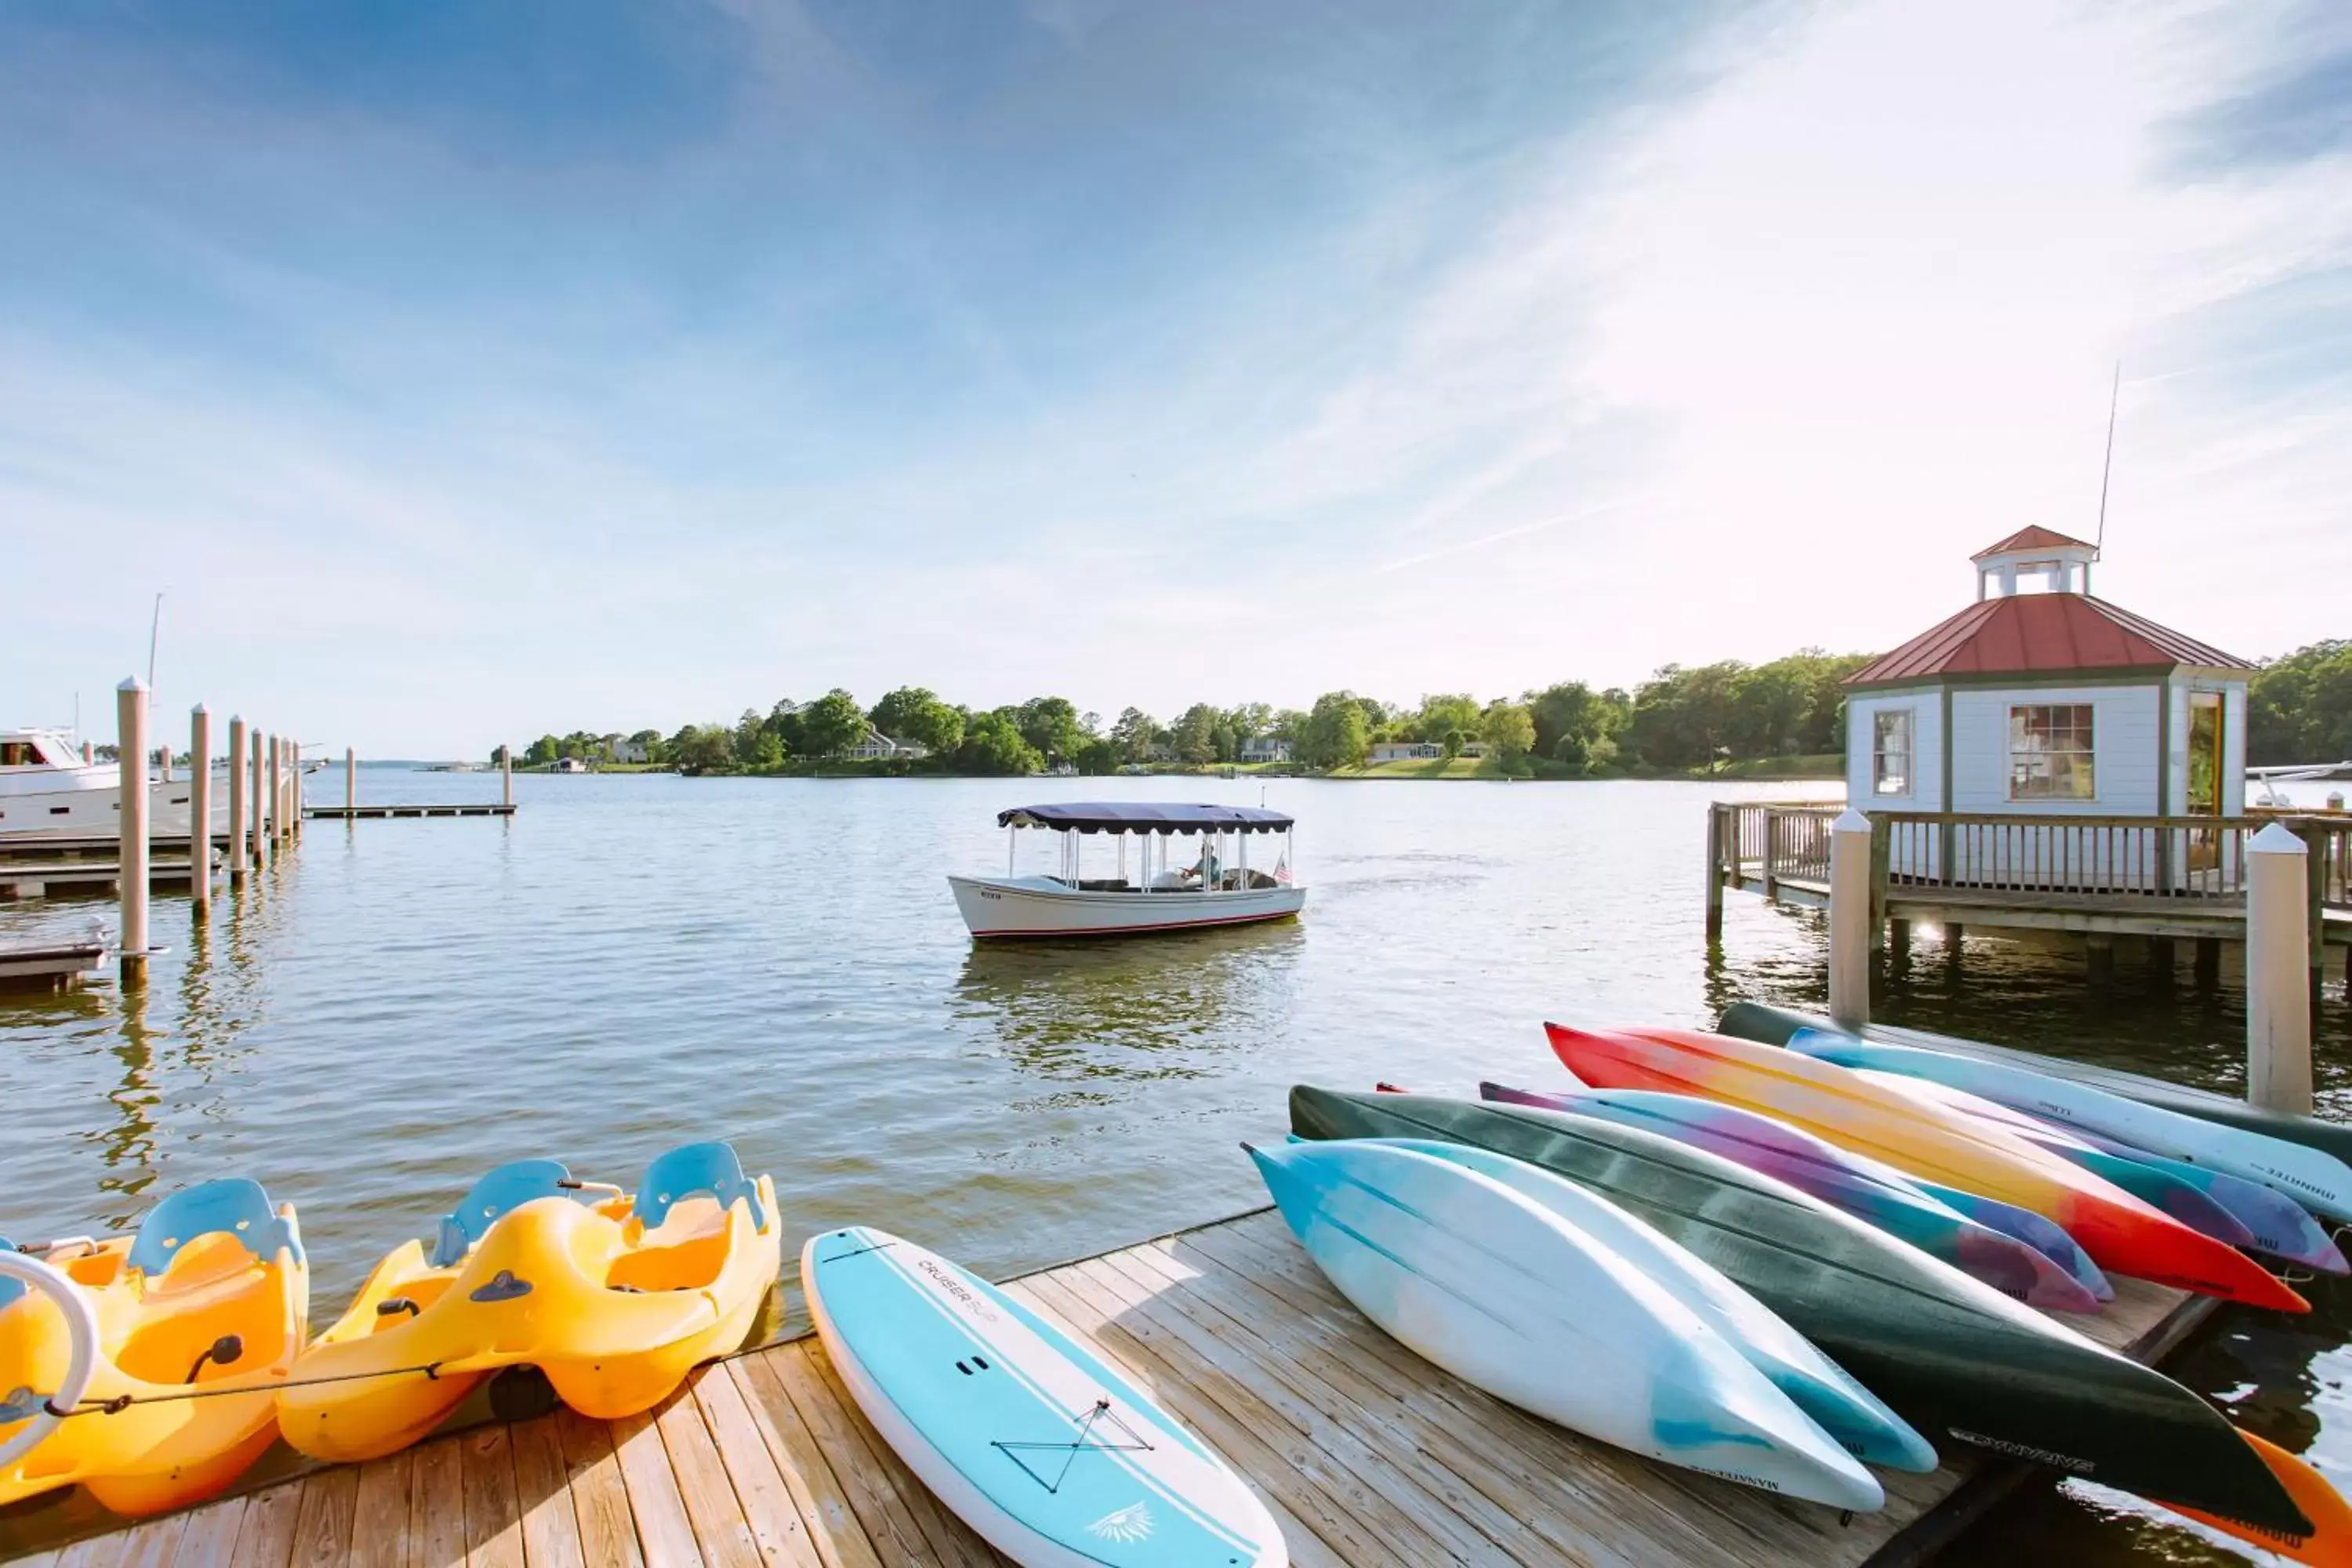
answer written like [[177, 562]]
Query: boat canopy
[[1145, 817]]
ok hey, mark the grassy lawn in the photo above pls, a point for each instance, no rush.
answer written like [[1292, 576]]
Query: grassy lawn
[[1424, 768]]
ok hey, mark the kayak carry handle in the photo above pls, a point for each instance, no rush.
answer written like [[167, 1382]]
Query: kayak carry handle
[[222, 1352], [393, 1306]]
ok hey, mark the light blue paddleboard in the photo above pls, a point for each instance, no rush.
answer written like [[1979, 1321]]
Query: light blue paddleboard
[[1053, 1458]]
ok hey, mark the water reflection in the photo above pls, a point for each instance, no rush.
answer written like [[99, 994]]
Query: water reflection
[[1137, 1010], [128, 1142]]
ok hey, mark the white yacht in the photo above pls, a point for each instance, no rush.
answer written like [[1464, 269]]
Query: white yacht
[[1152, 890], [48, 785]]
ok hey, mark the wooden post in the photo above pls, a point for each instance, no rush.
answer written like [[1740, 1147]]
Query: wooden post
[[236, 801], [1898, 940], [264, 747], [1882, 875], [2278, 972], [1850, 919], [506, 776], [131, 828], [2099, 948], [2206, 966], [2162, 960], [199, 810], [2315, 836], [1771, 855], [350, 780], [1713, 872]]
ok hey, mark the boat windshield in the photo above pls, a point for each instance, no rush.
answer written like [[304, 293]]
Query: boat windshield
[[1206, 859]]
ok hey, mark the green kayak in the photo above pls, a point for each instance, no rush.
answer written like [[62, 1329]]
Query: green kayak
[[1954, 1357], [1773, 1027]]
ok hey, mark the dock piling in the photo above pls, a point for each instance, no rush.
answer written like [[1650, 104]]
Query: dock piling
[[199, 810], [237, 744], [1715, 820], [351, 779], [132, 794], [506, 776], [1850, 919], [262, 745], [2278, 972]]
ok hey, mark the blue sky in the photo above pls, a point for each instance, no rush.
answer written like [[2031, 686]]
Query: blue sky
[[462, 371]]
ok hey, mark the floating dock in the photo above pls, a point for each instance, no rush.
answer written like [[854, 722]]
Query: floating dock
[[1367, 1454], [358, 813], [49, 967], [40, 875]]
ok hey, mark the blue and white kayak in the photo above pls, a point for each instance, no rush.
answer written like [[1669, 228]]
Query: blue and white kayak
[[2319, 1182], [1511, 1298], [1053, 1458], [1857, 1418]]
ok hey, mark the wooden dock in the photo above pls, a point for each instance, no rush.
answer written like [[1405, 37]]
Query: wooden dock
[[48, 967], [40, 878], [1367, 1454], [370, 812]]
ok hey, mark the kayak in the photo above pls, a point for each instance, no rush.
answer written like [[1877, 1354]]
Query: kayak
[[1053, 1458], [2122, 1234], [1859, 1421], [1773, 1027], [212, 1293], [2318, 1180], [1874, 1194], [614, 1298], [1954, 1358], [1508, 1296], [2184, 1201]]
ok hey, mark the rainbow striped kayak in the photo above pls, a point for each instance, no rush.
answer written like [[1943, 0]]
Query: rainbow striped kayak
[[2123, 1234], [1874, 1194]]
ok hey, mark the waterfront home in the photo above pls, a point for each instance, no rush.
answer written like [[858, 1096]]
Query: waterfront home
[[1265, 749], [1415, 751], [621, 749], [2043, 700], [874, 746], [567, 765]]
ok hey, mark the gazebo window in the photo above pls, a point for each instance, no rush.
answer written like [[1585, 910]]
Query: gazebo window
[[2050, 752], [1890, 752]]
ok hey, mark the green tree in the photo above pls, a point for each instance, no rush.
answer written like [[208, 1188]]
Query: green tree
[[542, 751], [703, 749], [1250, 721], [768, 754], [2299, 707], [1443, 711], [1099, 754], [748, 730], [1508, 730], [831, 724], [1196, 733], [993, 744], [1050, 726], [1570, 717], [1336, 735], [1685, 718], [914, 713], [1132, 734], [1454, 742]]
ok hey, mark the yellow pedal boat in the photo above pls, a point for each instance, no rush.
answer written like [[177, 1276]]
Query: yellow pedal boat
[[211, 1294], [614, 1298]]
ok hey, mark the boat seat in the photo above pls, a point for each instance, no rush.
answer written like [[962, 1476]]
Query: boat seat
[[499, 1193], [10, 1288], [691, 1169], [230, 1205]]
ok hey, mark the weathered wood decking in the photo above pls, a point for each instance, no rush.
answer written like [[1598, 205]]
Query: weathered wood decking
[[1367, 1454]]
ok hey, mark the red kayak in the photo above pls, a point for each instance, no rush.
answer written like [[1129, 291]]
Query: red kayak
[[2120, 1232]]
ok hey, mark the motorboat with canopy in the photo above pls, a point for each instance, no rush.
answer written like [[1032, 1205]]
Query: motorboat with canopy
[[1172, 866]]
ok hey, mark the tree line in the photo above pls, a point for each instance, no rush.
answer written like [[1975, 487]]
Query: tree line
[[1681, 719]]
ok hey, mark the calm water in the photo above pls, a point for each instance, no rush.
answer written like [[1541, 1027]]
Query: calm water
[[634, 961]]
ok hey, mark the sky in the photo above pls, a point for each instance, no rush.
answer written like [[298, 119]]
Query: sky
[[461, 372]]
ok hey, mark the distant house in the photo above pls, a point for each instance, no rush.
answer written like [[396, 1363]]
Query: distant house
[[623, 750], [874, 746], [1404, 750], [1265, 749], [567, 765]]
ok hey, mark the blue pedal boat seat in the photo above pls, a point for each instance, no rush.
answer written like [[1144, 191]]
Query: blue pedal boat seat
[[10, 1288], [229, 1205], [690, 1170], [499, 1192]]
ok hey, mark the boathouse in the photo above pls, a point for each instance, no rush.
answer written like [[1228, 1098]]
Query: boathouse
[[2043, 700]]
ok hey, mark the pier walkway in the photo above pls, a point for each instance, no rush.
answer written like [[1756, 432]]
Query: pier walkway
[[1368, 1454]]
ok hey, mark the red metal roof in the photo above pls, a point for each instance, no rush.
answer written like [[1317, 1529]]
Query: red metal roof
[[2033, 538], [2040, 633]]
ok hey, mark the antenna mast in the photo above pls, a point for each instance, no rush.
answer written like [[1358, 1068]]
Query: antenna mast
[[155, 627], [2106, 466]]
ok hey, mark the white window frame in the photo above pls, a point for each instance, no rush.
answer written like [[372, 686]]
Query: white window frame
[[2078, 760], [1910, 753]]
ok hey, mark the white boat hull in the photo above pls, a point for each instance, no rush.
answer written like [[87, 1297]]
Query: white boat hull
[[88, 807], [1042, 907]]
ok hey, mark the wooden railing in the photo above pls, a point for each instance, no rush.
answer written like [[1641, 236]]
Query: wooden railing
[[2186, 858]]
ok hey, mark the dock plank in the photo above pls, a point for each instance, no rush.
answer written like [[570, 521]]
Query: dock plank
[[823, 1506], [493, 1517], [265, 1534], [777, 1529], [951, 1541], [663, 1527], [600, 1497], [380, 1513], [323, 1527], [550, 1527], [872, 1491], [436, 1506], [211, 1534], [713, 1508]]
